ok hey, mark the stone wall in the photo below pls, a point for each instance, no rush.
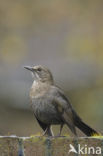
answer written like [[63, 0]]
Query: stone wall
[[44, 146]]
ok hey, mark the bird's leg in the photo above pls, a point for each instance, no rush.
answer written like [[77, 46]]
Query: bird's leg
[[61, 127], [44, 133], [48, 131]]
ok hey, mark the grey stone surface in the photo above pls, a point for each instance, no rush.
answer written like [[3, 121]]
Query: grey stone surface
[[44, 146]]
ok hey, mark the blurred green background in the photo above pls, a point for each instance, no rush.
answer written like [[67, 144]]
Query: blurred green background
[[65, 36]]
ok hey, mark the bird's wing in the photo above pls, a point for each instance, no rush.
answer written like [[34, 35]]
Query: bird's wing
[[58, 95], [63, 107]]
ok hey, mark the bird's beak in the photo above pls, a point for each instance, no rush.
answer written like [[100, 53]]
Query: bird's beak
[[28, 68]]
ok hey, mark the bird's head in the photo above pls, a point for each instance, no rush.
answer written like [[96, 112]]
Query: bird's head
[[40, 73]]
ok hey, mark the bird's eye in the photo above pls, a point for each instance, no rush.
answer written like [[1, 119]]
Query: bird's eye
[[39, 69]]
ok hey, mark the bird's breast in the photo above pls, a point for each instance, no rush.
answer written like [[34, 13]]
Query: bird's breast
[[45, 111], [38, 89]]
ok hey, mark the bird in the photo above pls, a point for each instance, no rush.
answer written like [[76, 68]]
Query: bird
[[51, 106]]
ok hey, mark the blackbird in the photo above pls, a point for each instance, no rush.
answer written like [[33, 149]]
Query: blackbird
[[51, 106]]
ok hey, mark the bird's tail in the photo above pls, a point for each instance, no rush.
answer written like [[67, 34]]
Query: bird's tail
[[85, 128]]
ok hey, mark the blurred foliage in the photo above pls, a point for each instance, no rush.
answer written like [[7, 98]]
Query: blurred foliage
[[66, 36]]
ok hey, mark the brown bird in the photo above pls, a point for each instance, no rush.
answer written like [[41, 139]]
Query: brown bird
[[51, 106]]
